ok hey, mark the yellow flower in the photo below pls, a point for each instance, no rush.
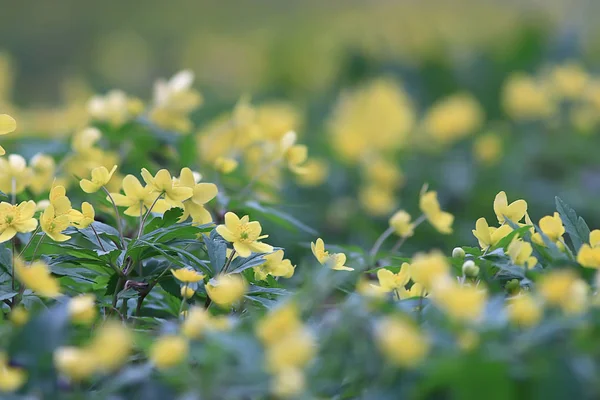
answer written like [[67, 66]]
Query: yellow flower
[[520, 253], [44, 168], [138, 198], [315, 172], [562, 288], [488, 148], [163, 183], [100, 177], [401, 224], [293, 350], [278, 323], [187, 275], [365, 288], [514, 212], [114, 107], [202, 193], [426, 269], [523, 310], [169, 351], [569, 80], [552, 227], [15, 176], [453, 118], [196, 322], [288, 382], [37, 277], [187, 292], [460, 302], [294, 154], [53, 225], [589, 256], [334, 261], [390, 281], [244, 235], [489, 236], [377, 200], [16, 218], [19, 316], [84, 218], [225, 165], [111, 346], [416, 290], [225, 290], [83, 309], [77, 364], [441, 220], [523, 98], [11, 378], [274, 265], [401, 342], [7, 125]]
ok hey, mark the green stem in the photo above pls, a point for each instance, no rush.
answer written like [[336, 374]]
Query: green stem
[[228, 263], [12, 274], [379, 242], [143, 221], [37, 246], [183, 300], [30, 240], [97, 237], [118, 217]]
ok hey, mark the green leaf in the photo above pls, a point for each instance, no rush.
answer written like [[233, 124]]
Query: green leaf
[[575, 226], [169, 218], [240, 264], [216, 248]]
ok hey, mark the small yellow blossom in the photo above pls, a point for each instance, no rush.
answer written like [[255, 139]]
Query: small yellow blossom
[[514, 212], [138, 198], [488, 148], [460, 302], [7, 125], [294, 154], [187, 292], [169, 351], [401, 224], [293, 350], [589, 256], [100, 177], [569, 80], [53, 225], [163, 183], [552, 227], [115, 107], [202, 193], [225, 290], [15, 175], [523, 98], [377, 200], [43, 168], [441, 220], [401, 342], [562, 288], [523, 310], [19, 316], [196, 322], [225, 165], [244, 234], [278, 323], [16, 219], [416, 290], [489, 236], [187, 275], [11, 378], [390, 281], [84, 218], [519, 252], [288, 382], [426, 269], [453, 118], [274, 265], [111, 346], [83, 309], [37, 277], [75, 363], [335, 261], [315, 172]]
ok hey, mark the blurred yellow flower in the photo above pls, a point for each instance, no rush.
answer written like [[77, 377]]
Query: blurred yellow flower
[[401, 342], [523, 310], [562, 288], [169, 351], [225, 290], [441, 220], [16, 219], [43, 168], [115, 107], [514, 212], [453, 118], [377, 200], [138, 198], [225, 165], [111, 346], [488, 148], [7, 125], [278, 323], [293, 350], [19, 316], [53, 225], [489, 236], [15, 175], [37, 277], [520, 252], [525, 99], [315, 173], [569, 80], [100, 177], [187, 275], [461, 302], [288, 382], [82, 309], [11, 378], [401, 224], [390, 281], [294, 154], [75, 363], [334, 261], [274, 265], [244, 234], [425, 269], [416, 290], [187, 292]]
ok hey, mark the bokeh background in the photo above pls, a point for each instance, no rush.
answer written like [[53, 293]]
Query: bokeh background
[[471, 97]]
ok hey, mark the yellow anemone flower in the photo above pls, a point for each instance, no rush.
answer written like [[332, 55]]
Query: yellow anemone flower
[[100, 177], [489, 236], [426, 269], [401, 224], [7, 125], [187, 275], [520, 253], [16, 218], [82, 309], [514, 211], [11, 378], [84, 218], [390, 281], [225, 165], [401, 342], [274, 265], [15, 175], [225, 290], [335, 261], [138, 198], [441, 220], [202, 193], [37, 277], [54, 225], [163, 183], [169, 351], [244, 234]]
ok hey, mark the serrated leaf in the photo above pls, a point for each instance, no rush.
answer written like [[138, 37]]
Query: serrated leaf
[[576, 227], [240, 264]]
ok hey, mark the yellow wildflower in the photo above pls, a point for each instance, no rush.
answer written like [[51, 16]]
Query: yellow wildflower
[[514, 212], [523, 310], [15, 175], [225, 165], [519, 252], [315, 172], [335, 261], [288, 382], [524, 99], [77, 364], [37, 277], [377, 200], [114, 107], [202, 193], [293, 350], [294, 154], [187, 275], [401, 224], [44, 168], [453, 118], [169, 351], [53, 225], [100, 177], [163, 183], [84, 218], [426, 269], [244, 234], [16, 219], [569, 80], [225, 290], [416, 290], [11, 378], [196, 322], [187, 292], [7, 125], [589, 256], [488, 148], [401, 342], [138, 198], [82, 309], [278, 323], [562, 288], [552, 227], [489, 236], [441, 220], [111, 346], [19, 316], [460, 302], [390, 281], [274, 265]]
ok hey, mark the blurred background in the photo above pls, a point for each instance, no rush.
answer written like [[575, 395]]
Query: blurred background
[[471, 97]]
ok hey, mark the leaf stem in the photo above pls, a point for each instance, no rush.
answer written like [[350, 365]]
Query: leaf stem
[[143, 221], [117, 215], [379, 242], [97, 237], [30, 240]]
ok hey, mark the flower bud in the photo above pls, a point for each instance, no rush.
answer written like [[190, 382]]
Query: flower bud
[[469, 269], [458, 252], [187, 292]]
